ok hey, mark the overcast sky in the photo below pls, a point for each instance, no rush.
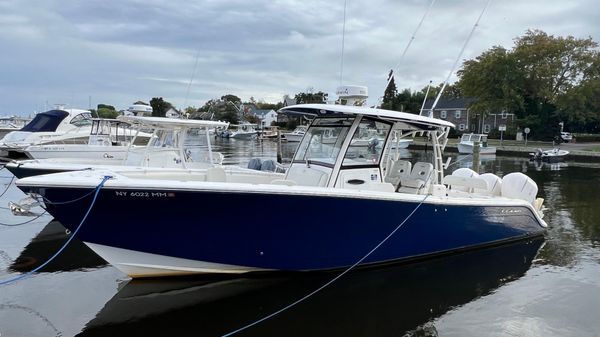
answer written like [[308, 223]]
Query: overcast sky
[[118, 52]]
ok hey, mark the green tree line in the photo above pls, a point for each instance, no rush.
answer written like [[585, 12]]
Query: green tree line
[[542, 79]]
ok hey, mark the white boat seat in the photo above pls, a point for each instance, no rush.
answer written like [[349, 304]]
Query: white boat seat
[[516, 185], [468, 183], [398, 169], [494, 185], [307, 176], [418, 178], [216, 174]]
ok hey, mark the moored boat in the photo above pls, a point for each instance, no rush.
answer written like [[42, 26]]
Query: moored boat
[[174, 143], [60, 126], [108, 139], [553, 155], [296, 135], [351, 199], [467, 141]]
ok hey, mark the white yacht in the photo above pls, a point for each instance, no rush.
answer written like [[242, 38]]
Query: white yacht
[[59, 126]]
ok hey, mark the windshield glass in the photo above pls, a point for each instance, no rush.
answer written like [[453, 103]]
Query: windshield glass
[[366, 146], [323, 140], [82, 119]]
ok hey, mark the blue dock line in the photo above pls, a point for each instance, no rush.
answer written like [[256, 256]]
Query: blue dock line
[[29, 273], [331, 281]]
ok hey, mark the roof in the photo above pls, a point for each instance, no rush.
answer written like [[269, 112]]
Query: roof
[[450, 103], [335, 109], [262, 112], [163, 122]]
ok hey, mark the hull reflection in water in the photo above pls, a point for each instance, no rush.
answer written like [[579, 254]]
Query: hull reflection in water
[[76, 256], [372, 302]]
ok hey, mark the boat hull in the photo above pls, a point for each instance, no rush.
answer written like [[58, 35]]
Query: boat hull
[[244, 136], [292, 137], [77, 151], [330, 231]]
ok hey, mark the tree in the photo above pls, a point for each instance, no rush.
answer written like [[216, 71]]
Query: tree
[[310, 97], [231, 98], [389, 96], [106, 111], [532, 79], [159, 107]]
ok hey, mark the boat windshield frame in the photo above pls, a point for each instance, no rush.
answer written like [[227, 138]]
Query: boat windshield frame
[[313, 138], [374, 153]]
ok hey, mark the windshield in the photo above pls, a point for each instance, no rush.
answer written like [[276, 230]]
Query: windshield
[[323, 141], [366, 146], [82, 119]]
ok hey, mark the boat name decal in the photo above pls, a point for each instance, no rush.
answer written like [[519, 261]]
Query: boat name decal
[[143, 194], [511, 211]]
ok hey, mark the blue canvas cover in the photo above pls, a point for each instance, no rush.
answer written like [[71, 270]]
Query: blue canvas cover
[[46, 121]]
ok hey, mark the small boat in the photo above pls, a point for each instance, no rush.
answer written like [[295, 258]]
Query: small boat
[[296, 135], [108, 139], [350, 198], [51, 127], [553, 155], [269, 132], [468, 140], [245, 131]]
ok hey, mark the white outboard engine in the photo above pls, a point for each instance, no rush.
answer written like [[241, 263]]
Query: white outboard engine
[[352, 95], [516, 185]]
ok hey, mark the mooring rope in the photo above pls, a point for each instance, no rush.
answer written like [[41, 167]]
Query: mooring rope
[[27, 274], [8, 186], [22, 223], [332, 280]]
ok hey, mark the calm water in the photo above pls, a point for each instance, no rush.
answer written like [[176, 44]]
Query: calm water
[[545, 287]]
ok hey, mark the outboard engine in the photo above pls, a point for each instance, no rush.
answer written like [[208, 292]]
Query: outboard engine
[[516, 185]]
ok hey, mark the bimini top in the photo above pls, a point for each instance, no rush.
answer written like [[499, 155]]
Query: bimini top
[[163, 122], [46, 121], [420, 122]]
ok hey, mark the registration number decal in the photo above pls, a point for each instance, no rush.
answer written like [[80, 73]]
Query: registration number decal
[[142, 194]]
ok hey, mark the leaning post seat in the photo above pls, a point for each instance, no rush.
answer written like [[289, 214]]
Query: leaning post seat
[[418, 179]]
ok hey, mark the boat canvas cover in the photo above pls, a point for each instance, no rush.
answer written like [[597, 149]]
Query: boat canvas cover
[[46, 121]]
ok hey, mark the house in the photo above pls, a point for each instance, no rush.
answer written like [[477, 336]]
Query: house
[[265, 116], [457, 111], [173, 113]]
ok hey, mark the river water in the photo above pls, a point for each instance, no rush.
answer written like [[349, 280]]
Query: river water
[[546, 287]]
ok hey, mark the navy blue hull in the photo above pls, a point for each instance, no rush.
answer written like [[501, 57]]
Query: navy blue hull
[[283, 232]]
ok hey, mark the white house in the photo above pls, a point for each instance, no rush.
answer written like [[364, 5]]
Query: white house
[[266, 116]]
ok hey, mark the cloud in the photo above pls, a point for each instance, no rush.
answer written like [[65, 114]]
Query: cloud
[[120, 52]]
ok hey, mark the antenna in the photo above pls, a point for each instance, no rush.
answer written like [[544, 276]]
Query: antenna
[[406, 49], [425, 99], [187, 92], [458, 58], [343, 37]]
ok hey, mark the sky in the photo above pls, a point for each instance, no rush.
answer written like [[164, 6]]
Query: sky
[[82, 53]]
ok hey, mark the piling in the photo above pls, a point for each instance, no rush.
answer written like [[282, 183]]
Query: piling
[[476, 157], [279, 152]]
